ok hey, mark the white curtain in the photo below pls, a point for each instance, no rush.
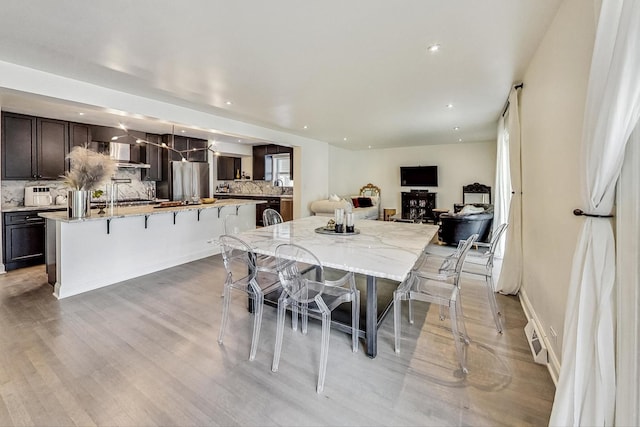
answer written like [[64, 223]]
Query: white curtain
[[502, 193], [586, 390], [511, 275]]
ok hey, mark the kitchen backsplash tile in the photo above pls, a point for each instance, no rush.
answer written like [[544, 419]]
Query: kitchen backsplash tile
[[257, 187], [13, 191]]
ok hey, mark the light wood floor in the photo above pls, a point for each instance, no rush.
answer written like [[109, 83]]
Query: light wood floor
[[144, 352]]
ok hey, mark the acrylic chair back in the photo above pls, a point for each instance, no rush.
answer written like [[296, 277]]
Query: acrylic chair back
[[271, 217], [235, 224], [497, 234], [454, 262], [238, 256], [294, 265]]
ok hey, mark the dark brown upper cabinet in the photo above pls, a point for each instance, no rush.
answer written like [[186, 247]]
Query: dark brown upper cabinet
[[33, 147], [228, 168], [262, 171], [152, 155], [192, 148], [79, 135]]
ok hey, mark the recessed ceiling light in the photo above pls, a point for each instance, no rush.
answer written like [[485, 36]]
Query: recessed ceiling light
[[239, 140], [228, 102], [433, 48], [449, 106], [456, 128], [183, 131], [459, 139], [369, 146], [305, 127], [82, 114], [345, 138]]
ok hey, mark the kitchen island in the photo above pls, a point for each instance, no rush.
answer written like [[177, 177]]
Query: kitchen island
[[128, 242]]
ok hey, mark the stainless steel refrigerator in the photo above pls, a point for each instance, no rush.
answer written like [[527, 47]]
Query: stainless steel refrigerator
[[189, 180]]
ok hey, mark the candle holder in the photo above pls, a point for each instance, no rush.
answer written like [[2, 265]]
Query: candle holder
[[349, 223], [339, 218]]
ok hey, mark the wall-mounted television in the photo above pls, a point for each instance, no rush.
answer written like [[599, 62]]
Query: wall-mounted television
[[419, 176]]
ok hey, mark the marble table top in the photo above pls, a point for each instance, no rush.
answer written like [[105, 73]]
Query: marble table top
[[382, 249]]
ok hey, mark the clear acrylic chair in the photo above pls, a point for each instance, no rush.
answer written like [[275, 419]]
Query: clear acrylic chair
[[235, 224], [304, 287], [271, 217], [437, 286], [481, 264], [242, 275]]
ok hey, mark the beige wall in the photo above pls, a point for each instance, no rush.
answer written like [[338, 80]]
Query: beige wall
[[458, 165], [552, 105]]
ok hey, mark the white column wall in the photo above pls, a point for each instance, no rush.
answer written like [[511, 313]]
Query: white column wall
[[552, 108]]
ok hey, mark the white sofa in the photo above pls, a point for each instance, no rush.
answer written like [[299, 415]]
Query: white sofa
[[327, 208]]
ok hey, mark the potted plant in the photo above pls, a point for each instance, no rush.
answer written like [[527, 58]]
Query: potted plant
[[89, 170]]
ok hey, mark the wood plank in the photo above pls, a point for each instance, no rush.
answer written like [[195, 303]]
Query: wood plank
[[145, 352]]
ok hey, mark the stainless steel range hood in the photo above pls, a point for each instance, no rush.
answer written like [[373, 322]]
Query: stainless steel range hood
[[121, 153]]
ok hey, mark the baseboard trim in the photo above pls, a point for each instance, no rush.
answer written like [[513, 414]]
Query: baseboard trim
[[553, 365]]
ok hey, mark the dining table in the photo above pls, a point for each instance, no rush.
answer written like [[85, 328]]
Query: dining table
[[377, 250]]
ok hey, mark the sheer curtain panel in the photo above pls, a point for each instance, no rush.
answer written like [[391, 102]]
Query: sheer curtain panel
[[511, 275], [502, 195], [586, 390]]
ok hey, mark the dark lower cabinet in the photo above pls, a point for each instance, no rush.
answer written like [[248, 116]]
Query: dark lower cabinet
[[23, 239], [272, 202]]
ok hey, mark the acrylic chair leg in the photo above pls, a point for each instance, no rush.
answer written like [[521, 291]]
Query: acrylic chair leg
[[493, 304], [305, 317], [294, 316], [257, 322], [460, 322], [279, 334], [324, 351], [442, 312], [225, 311], [456, 336], [397, 314], [410, 309], [355, 320]]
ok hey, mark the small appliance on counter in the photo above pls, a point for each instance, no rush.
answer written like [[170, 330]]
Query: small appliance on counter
[[37, 196]]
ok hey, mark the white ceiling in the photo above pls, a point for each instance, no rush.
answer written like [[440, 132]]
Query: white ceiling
[[354, 69]]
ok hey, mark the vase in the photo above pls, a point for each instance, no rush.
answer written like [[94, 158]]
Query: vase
[[79, 203]]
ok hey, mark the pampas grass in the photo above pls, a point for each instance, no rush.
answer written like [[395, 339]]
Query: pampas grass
[[89, 169]]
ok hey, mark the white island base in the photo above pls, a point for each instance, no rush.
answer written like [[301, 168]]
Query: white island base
[[87, 254]]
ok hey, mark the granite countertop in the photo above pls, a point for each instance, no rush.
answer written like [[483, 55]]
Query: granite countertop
[[257, 196], [126, 211]]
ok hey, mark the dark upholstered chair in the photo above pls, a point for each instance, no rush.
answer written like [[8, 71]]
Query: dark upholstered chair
[[455, 227]]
